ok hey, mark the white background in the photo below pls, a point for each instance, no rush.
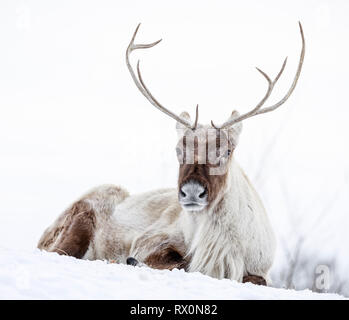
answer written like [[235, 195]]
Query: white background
[[71, 117]]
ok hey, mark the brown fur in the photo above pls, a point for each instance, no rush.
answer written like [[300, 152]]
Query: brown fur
[[73, 233], [49, 238], [167, 257], [255, 280]]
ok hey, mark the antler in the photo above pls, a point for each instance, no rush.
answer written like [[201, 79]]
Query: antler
[[145, 91], [257, 110]]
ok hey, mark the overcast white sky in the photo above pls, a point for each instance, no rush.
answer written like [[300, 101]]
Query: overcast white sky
[[71, 117]]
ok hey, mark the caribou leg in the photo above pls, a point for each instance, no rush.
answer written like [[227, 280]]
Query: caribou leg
[[74, 230]]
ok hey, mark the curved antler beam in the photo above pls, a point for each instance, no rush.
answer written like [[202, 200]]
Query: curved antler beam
[[143, 88]]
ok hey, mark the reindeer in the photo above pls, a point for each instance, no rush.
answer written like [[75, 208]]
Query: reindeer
[[213, 222]]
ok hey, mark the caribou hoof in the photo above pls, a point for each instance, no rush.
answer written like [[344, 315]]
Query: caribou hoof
[[131, 261]]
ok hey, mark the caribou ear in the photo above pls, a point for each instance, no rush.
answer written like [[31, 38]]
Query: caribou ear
[[235, 130], [180, 127]]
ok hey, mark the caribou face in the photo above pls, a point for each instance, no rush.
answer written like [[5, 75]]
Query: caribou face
[[204, 157]]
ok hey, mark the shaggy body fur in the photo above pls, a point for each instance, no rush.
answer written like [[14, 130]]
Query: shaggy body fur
[[232, 239]]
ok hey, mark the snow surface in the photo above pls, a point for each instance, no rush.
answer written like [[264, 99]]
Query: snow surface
[[43, 275]]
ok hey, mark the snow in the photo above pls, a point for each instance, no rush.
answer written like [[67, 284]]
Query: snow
[[71, 117], [43, 275]]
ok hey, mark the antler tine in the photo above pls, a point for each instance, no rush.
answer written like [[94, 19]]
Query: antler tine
[[295, 79], [196, 118], [258, 106], [257, 110], [141, 85], [133, 46]]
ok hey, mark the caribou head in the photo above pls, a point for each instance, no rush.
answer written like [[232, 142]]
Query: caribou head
[[205, 152]]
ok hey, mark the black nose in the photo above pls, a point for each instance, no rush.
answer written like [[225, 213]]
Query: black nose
[[131, 261], [193, 191], [200, 195], [203, 194]]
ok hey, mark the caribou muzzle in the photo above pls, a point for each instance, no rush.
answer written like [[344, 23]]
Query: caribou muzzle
[[193, 195]]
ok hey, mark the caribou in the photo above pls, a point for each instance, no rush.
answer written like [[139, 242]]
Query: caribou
[[213, 222]]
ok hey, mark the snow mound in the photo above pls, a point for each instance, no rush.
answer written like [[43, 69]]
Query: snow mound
[[43, 275]]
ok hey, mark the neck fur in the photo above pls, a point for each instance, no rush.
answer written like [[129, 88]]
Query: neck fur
[[212, 247]]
